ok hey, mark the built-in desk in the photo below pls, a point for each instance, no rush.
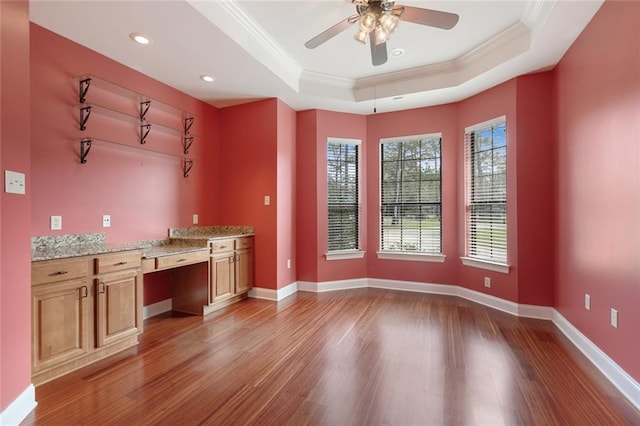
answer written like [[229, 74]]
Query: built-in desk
[[210, 267], [160, 258]]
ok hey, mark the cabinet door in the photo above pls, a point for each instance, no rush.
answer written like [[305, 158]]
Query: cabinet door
[[244, 270], [222, 276], [118, 306], [59, 323]]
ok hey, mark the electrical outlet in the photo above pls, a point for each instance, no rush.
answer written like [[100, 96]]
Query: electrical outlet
[[56, 223], [487, 282], [106, 221], [614, 318], [267, 200], [587, 302], [195, 219]]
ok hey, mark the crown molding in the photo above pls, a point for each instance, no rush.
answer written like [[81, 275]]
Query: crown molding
[[504, 46], [245, 31]]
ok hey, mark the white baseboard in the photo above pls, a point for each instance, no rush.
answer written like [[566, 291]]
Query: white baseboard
[[332, 285], [20, 408], [612, 371], [443, 289], [274, 295], [156, 308]]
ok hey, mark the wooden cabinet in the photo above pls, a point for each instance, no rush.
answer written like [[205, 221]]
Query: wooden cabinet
[[244, 265], [60, 312], [222, 276], [83, 309], [118, 297], [231, 271]]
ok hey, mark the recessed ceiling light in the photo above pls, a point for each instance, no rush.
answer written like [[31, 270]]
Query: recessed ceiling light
[[397, 52], [140, 38], [207, 78]]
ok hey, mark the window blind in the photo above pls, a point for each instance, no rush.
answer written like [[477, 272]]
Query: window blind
[[411, 193], [486, 191], [343, 198]]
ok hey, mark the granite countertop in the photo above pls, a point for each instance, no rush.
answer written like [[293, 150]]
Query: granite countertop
[[181, 240], [171, 247], [207, 233]]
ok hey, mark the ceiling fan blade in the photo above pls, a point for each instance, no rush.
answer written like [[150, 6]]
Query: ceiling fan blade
[[430, 17], [379, 52], [329, 33]]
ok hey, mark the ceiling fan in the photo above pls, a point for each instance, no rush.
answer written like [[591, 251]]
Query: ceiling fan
[[378, 19]]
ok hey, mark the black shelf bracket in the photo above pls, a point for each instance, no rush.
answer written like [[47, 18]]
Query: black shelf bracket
[[85, 112], [187, 141], [144, 109], [187, 164], [145, 128], [85, 147], [188, 122], [83, 88]]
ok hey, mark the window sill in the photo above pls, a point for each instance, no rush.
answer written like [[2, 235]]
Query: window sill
[[403, 255], [485, 264], [345, 254]]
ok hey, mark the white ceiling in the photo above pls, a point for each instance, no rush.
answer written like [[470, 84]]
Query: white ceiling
[[255, 49]]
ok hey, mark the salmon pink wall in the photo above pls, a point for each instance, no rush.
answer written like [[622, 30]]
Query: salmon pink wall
[[144, 193], [313, 129], [535, 188], [439, 119], [493, 103], [286, 182], [15, 224], [598, 175], [307, 230], [249, 168]]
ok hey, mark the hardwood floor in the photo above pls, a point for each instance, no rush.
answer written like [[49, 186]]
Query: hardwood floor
[[362, 357]]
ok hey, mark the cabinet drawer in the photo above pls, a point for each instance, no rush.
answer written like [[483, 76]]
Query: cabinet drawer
[[244, 243], [181, 259], [118, 261], [58, 270], [220, 246]]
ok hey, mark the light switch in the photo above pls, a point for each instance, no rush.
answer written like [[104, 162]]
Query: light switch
[[195, 219], [14, 182]]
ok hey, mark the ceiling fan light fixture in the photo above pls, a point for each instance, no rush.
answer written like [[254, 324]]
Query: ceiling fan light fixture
[[361, 36], [368, 22], [380, 35], [390, 22]]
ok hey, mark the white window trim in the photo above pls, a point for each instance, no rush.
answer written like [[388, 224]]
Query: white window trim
[[470, 261], [416, 257], [485, 264], [349, 254], [344, 254], [401, 255]]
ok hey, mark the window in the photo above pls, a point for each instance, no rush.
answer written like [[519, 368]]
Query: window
[[486, 191], [410, 195], [343, 199]]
